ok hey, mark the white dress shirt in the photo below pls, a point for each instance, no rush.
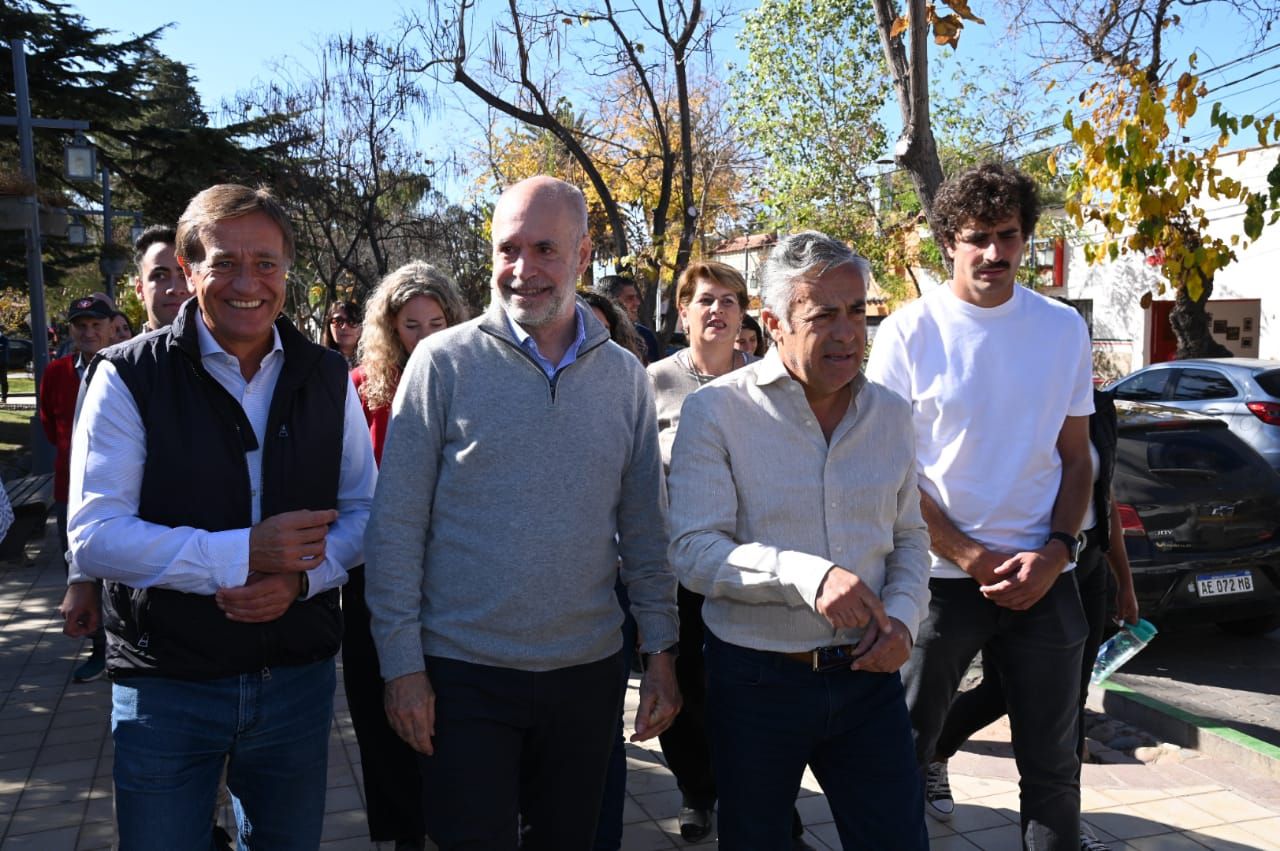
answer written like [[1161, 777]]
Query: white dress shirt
[[109, 449], [763, 506]]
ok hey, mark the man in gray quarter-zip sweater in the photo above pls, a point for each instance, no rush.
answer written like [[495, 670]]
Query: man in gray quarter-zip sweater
[[521, 462]]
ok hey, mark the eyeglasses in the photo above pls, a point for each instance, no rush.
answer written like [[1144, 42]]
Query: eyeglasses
[[344, 322]]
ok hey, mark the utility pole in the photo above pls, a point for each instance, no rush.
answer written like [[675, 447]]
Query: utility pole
[[41, 451]]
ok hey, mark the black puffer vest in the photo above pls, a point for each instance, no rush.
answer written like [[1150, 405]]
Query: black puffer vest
[[196, 474]]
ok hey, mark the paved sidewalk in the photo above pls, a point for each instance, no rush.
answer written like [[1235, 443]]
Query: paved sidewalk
[[55, 766]]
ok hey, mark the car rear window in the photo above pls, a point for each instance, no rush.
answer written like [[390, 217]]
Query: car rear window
[[1197, 451], [1269, 381], [1198, 384], [1143, 387]]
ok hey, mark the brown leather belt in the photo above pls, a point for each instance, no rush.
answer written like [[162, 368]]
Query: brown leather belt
[[823, 658]]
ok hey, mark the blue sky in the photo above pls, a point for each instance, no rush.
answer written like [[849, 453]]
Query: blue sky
[[231, 43]]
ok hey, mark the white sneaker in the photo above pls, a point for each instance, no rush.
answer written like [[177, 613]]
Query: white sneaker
[[1089, 842], [937, 792]]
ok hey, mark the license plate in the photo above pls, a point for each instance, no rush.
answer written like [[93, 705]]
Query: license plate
[[1219, 584]]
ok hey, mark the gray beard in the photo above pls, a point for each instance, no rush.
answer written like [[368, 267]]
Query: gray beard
[[531, 319]]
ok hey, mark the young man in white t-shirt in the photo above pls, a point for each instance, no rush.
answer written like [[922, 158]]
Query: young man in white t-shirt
[[999, 379]]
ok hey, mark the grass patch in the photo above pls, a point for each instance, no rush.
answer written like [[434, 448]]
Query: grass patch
[[21, 383], [15, 443]]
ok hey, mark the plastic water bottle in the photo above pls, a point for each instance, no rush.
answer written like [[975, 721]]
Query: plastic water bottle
[[1120, 648]]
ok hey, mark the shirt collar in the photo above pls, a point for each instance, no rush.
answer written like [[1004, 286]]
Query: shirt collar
[[770, 370], [210, 346], [527, 342]]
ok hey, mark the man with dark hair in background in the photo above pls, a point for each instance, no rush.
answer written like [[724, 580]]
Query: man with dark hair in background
[[626, 292], [158, 280]]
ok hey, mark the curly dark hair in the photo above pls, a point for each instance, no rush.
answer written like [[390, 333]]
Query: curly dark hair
[[988, 193]]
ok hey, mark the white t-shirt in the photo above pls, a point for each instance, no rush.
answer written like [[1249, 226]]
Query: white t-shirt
[[990, 389]]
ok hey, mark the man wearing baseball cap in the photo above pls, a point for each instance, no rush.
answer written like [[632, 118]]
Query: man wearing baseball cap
[[90, 320]]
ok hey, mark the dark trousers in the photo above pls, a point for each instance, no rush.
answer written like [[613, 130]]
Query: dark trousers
[[1037, 653], [985, 703], [614, 797], [511, 741], [770, 715], [392, 782], [684, 744]]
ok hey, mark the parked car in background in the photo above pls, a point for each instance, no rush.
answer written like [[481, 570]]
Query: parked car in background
[[1243, 392], [1201, 516], [19, 354]]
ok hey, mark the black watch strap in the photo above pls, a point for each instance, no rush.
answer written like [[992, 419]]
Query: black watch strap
[[1071, 542]]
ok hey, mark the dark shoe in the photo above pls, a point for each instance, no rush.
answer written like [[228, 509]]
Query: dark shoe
[[93, 668], [937, 792], [695, 824]]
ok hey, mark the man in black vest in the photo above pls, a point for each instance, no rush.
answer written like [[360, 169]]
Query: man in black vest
[[221, 479]]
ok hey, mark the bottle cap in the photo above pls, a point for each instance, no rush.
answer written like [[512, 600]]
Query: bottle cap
[[1144, 630]]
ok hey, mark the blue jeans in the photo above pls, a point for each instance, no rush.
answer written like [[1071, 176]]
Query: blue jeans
[[1037, 654], [172, 738], [769, 715]]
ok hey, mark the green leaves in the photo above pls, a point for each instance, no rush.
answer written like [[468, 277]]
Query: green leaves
[[1141, 188]]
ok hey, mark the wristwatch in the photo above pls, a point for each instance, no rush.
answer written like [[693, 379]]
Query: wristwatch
[[674, 650], [1073, 544]]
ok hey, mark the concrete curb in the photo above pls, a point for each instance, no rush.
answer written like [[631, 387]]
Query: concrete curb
[[1186, 729]]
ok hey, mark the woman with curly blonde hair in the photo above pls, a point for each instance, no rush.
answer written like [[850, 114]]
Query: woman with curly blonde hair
[[409, 305]]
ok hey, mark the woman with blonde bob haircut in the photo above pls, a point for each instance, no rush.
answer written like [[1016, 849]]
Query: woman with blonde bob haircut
[[409, 305]]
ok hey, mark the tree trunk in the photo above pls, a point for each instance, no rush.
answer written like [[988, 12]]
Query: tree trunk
[[915, 152], [1190, 325]]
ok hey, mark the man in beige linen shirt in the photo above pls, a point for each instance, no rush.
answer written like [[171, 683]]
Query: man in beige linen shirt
[[794, 510]]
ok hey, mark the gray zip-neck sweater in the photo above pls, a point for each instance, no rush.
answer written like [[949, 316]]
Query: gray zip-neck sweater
[[504, 501]]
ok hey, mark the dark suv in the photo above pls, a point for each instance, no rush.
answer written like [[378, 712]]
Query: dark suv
[[1201, 517], [19, 354]]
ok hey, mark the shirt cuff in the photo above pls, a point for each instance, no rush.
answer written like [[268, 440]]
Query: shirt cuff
[[401, 654], [804, 572], [328, 574], [228, 553], [904, 609], [657, 631]]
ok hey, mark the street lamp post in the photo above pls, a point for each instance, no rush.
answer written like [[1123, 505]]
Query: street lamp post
[[41, 450]]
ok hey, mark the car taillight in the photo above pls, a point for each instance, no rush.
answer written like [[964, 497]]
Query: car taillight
[[1268, 412], [1130, 522]]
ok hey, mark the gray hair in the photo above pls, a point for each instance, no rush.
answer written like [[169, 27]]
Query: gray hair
[[806, 254]]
